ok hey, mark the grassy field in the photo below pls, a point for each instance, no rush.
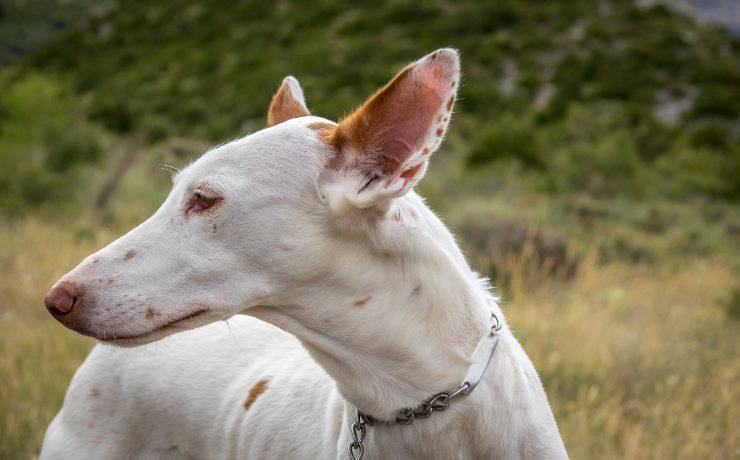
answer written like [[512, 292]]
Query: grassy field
[[639, 361], [592, 170]]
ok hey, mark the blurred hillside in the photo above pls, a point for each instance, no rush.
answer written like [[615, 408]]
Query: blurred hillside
[[205, 69], [28, 24], [610, 112], [592, 170]]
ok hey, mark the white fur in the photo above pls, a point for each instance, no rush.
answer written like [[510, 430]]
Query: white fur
[[377, 310]]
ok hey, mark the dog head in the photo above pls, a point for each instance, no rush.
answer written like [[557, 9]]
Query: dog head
[[306, 208]]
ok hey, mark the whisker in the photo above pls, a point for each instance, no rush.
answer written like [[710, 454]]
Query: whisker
[[170, 169]]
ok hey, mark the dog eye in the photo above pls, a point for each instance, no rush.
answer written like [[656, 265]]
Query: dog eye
[[201, 202]]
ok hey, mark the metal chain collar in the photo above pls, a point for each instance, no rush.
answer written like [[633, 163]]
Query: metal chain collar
[[355, 449], [436, 403]]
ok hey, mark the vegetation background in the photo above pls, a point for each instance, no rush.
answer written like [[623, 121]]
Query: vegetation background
[[591, 171]]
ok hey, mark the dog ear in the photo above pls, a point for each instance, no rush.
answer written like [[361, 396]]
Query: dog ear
[[382, 149], [287, 103]]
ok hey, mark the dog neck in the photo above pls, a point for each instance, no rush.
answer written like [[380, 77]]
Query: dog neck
[[391, 330], [392, 340]]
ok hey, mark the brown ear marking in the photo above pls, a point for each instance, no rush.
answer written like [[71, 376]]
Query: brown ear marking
[[398, 119], [287, 103], [352, 130], [324, 130]]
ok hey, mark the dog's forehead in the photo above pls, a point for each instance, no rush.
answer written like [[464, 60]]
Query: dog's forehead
[[287, 148]]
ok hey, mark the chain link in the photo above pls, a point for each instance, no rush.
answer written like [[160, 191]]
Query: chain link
[[355, 448], [436, 403]]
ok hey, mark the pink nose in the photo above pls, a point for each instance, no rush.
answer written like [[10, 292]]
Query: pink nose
[[61, 299]]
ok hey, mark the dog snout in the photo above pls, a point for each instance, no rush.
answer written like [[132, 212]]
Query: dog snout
[[62, 299]]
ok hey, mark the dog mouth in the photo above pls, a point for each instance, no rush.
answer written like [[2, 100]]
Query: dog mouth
[[154, 334]]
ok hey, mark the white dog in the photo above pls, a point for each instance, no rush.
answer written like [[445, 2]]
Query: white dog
[[349, 292]]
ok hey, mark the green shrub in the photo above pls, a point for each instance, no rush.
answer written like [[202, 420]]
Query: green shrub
[[512, 138], [718, 101], [711, 135], [45, 139], [691, 172], [592, 150]]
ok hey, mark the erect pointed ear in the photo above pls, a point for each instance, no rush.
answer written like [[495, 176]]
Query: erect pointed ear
[[287, 103], [383, 148]]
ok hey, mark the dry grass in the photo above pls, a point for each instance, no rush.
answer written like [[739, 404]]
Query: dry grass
[[638, 361], [37, 356]]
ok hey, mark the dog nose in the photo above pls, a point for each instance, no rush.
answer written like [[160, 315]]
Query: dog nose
[[61, 299]]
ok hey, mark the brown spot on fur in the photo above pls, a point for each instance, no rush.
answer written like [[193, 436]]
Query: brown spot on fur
[[450, 102], [94, 393], [152, 313], [416, 291], [284, 106], [110, 280], [257, 389], [363, 302], [440, 131], [96, 260], [425, 150], [129, 255], [214, 227], [396, 216]]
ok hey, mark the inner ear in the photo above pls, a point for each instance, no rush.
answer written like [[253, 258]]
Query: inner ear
[[287, 103], [386, 143]]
